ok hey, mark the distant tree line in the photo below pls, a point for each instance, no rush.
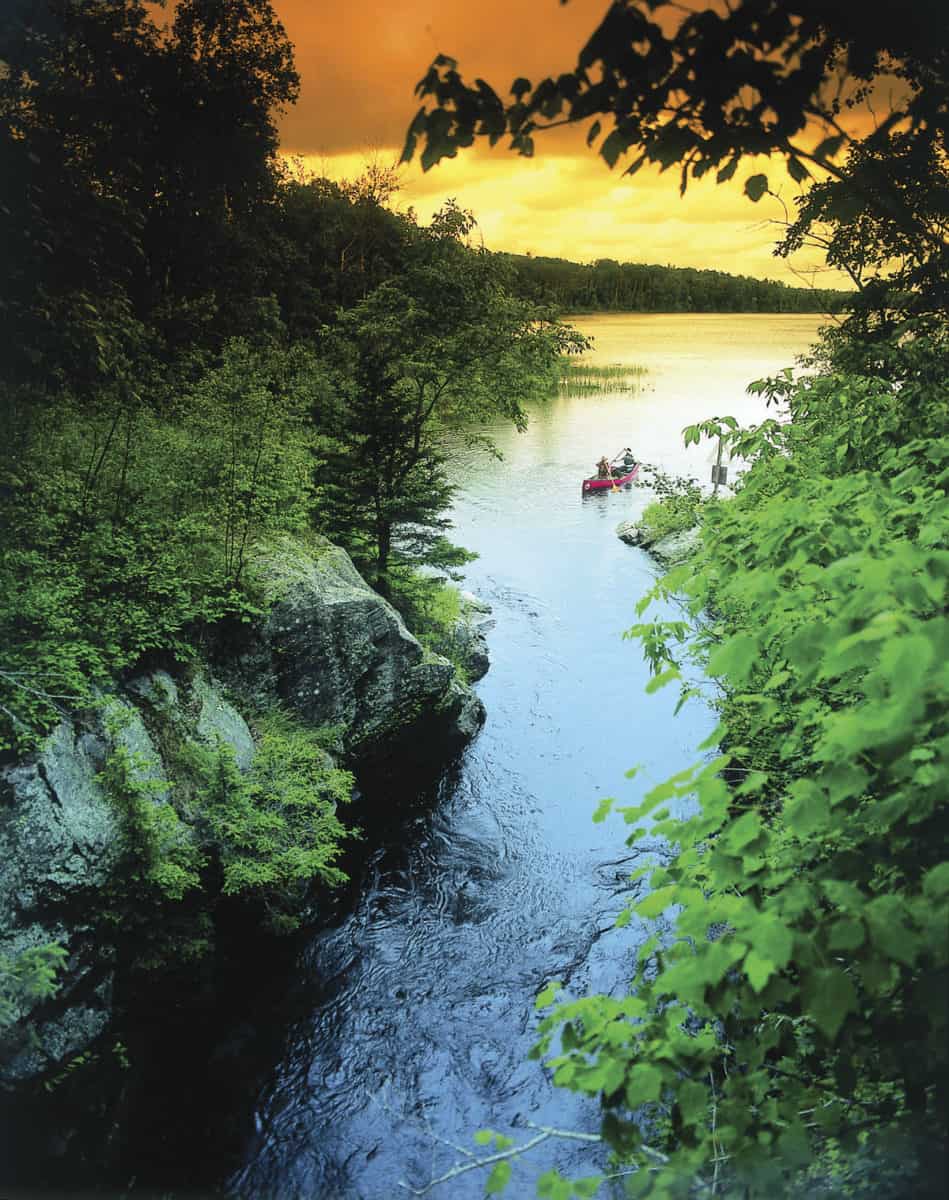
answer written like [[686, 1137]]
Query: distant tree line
[[610, 286]]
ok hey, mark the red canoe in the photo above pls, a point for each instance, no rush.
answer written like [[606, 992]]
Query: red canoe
[[599, 485]]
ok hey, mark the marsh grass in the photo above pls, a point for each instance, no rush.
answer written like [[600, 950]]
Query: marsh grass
[[582, 378]]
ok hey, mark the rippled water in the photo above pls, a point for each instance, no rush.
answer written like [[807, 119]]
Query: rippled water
[[419, 1002]]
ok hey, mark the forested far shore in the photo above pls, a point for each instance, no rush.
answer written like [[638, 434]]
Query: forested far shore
[[610, 286]]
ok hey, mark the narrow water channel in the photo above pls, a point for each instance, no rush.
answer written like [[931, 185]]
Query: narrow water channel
[[419, 1002]]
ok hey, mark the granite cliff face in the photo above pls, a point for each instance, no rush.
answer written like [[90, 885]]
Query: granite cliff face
[[335, 653], [327, 649]]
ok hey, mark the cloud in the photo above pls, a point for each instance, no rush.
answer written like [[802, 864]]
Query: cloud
[[360, 60]]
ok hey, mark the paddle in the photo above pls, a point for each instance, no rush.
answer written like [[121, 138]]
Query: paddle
[[614, 488]]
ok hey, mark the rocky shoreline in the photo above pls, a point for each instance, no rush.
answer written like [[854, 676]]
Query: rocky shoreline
[[326, 649], [670, 550]]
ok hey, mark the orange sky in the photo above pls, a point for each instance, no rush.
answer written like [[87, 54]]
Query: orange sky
[[359, 61]]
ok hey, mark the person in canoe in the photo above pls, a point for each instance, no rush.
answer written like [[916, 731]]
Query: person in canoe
[[624, 461], [603, 469]]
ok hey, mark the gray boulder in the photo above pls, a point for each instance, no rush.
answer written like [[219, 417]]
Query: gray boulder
[[630, 532], [670, 550], [61, 840], [327, 646], [337, 653], [470, 635], [675, 548]]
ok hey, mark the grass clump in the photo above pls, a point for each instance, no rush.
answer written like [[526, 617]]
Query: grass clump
[[584, 378], [432, 608]]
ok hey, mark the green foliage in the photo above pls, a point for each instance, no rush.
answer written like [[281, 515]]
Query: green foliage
[[443, 342], [678, 506], [701, 91], [276, 829], [139, 520], [212, 831], [800, 1005], [160, 855], [663, 517], [27, 977]]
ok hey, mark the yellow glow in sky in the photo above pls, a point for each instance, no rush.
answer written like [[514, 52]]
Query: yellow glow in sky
[[359, 63]]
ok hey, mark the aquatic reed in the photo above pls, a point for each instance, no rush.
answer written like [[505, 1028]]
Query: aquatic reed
[[579, 378]]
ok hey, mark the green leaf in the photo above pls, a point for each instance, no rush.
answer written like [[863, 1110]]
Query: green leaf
[[553, 1186], [759, 969], [886, 920], [498, 1179], [807, 810], [692, 1099], [725, 173], [603, 809], [846, 934], [588, 1186], [483, 1137], [613, 146], [770, 936], [829, 147], [936, 882], [735, 658], [645, 1086], [797, 170], [756, 186], [657, 902], [743, 832], [830, 996], [660, 681], [548, 995]]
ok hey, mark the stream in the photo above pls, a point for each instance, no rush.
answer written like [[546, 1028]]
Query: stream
[[413, 1011]]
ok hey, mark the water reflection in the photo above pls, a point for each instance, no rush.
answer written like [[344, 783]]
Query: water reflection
[[420, 1000]]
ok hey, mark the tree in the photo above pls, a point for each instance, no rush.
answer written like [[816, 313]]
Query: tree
[[444, 340], [133, 159]]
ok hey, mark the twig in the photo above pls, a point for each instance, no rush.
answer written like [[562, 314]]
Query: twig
[[715, 1146], [544, 1133], [564, 1133], [463, 1168]]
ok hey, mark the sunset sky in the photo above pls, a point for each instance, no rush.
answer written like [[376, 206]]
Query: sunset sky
[[359, 61]]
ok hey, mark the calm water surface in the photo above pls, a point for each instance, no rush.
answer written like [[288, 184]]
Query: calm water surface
[[419, 1002]]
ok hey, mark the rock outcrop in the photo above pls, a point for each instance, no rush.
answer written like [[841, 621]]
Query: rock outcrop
[[61, 840], [336, 653], [470, 635], [466, 642], [670, 550], [326, 647]]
